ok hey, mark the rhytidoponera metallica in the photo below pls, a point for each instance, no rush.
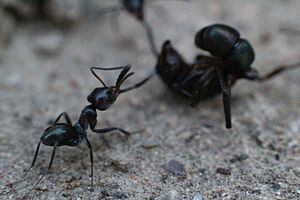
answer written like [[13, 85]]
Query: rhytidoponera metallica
[[230, 60], [69, 134]]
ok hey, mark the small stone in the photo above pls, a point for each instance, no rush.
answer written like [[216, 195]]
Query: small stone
[[224, 171], [66, 12], [170, 195], [239, 158], [49, 43], [197, 196], [175, 168]]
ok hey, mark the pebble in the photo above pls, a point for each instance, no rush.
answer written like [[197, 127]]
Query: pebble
[[197, 196], [170, 195], [175, 168], [49, 43], [66, 12], [224, 171]]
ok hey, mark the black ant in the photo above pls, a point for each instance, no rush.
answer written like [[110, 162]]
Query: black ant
[[137, 9], [67, 134], [230, 60]]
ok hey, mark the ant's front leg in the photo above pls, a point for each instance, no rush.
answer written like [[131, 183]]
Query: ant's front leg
[[225, 83], [92, 159], [106, 130]]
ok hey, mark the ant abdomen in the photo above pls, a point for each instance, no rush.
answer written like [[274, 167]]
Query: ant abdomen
[[241, 56], [218, 39], [224, 42]]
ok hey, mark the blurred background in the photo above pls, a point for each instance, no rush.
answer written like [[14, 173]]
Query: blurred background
[[46, 50]]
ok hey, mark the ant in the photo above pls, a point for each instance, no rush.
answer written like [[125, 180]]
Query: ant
[[230, 60], [67, 134], [137, 9]]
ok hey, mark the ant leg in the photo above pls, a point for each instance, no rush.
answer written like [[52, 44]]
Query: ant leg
[[278, 70], [105, 11], [225, 83], [150, 37], [50, 164], [114, 21], [92, 160], [151, 1], [67, 118], [106, 130], [32, 164], [139, 84], [253, 74], [202, 85]]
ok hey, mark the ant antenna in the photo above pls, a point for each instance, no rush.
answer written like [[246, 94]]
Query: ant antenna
[[105, 69]]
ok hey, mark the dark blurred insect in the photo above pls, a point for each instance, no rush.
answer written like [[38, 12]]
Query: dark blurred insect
[[67, 134], [230, 60], [137, 9], [14, 8]]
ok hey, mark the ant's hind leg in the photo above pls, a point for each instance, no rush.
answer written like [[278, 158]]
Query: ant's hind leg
[[46, 172], [92, 160], [32, 164], [67, 118]]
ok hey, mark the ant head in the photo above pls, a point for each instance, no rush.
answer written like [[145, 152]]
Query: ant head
[[170, 61], [103, 97], [224, 42], [135, 7]]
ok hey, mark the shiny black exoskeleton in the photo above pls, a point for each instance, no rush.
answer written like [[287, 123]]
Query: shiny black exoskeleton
[[67, 134], [208, 76], [135, 7]]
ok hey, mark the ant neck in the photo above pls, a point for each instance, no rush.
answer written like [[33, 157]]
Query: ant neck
[[88, 117]]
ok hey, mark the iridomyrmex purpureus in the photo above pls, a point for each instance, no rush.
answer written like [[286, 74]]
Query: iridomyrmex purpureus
[[230, 60], [69, 134]]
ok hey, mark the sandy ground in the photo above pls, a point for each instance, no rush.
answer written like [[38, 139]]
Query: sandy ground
[[261, 154]]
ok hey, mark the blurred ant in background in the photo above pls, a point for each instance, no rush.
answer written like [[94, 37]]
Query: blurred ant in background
[[67, 134], [137, 9], [230, 60]]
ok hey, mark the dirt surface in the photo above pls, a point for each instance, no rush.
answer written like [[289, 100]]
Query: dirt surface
[[178, 151]]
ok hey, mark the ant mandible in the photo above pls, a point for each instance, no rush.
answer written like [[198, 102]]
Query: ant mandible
[[67, 134], [230, 60]]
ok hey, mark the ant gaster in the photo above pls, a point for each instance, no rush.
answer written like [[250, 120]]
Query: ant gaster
[[230, 60], [67, 134]]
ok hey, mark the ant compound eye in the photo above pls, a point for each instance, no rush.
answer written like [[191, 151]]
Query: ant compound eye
[[218, 39], [242, 55]]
